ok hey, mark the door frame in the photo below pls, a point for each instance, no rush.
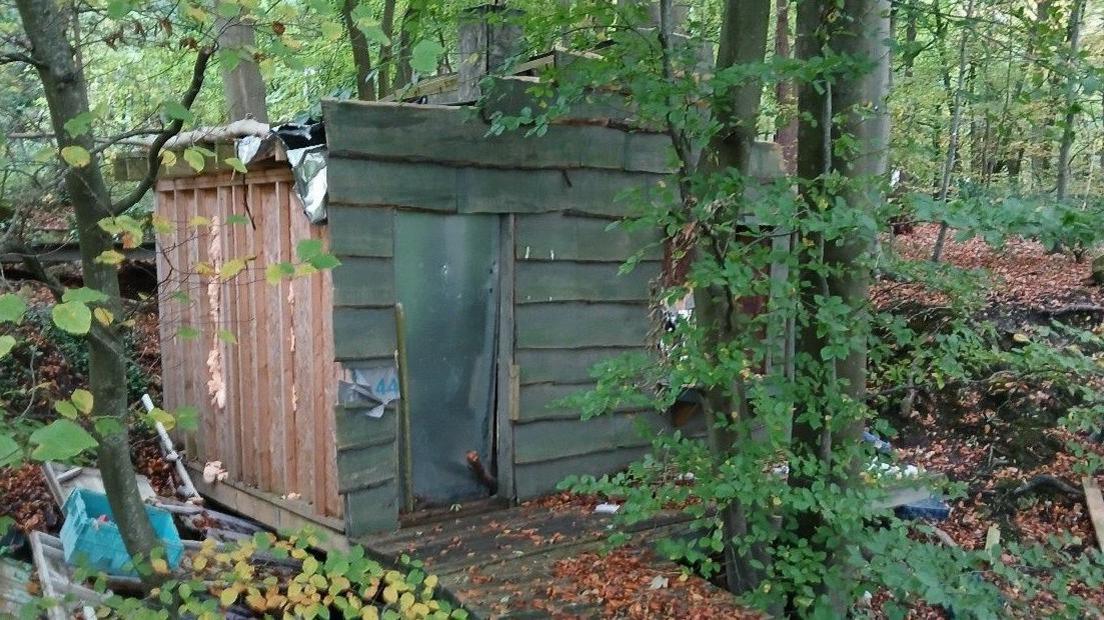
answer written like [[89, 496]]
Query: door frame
[[506, 371]]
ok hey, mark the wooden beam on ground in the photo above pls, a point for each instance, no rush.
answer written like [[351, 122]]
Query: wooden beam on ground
[[1095, 502], [275, 512]]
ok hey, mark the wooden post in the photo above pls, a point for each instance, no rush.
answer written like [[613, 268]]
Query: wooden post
[[406, 456], [488, 39]]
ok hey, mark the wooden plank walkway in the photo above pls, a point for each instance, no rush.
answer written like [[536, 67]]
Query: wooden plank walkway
[[501, 564]]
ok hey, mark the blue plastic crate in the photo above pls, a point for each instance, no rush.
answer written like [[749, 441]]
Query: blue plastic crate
[[933, 508], [88, 539]]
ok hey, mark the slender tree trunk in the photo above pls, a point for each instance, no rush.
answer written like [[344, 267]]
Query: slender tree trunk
[[1074, 40], [387, 24], [403, 73], [861, 32], [362, 54], [244, 86], [956, 124], [786, 135], [66, 94], [743, 40]]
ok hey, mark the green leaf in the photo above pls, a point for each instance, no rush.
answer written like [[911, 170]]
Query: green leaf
[[237, 165], [424, 55], [110, 257], [332, 31], [164, 417], [76, 156], [228, 9], [276, 272], [194, 158], [227, 336], [84, 295], [7, 343], [187, 333], [308, 249], [236, 218], [61, 440], [108, 425], [231, 268], [176, 111], [324, 261], [79, 124], [195, 13], [12, 308], [83, 400], [187, 418], [373, 32], [73, 317], [66, 409], [118, 9], [10, 452]]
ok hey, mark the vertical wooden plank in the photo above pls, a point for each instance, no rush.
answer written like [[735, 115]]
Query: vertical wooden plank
[[504, 382], [186, 262], [247, 459], [1095, 502], [201, 307], [323, 442], [262, 379], [166, 286], [328, 376], [228, 425], [305, 360], [289, 415], [274, 221]]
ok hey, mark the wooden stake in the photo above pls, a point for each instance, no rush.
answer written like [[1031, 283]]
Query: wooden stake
[[1095, 502]]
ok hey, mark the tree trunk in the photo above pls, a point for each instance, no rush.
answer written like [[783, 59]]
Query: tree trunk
[[403, 73], [786, 135], [66, 93], [743, 41], [956, 123], [387, 24], [1074, 40], [862, 32], [243, 85], [362, 55]]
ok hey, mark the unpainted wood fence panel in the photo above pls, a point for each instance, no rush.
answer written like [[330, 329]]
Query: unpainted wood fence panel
[[255, 359]]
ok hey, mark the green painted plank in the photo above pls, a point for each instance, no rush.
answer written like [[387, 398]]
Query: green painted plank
[[371, 510], [535, 479], [564, 365], [361, 281], [545, 281], [555, 236], [363, 332], [354, 428], [541, 401], [580, 325], [367, 467], [554, 439], [360, 231], [457, 135], [436, 187]]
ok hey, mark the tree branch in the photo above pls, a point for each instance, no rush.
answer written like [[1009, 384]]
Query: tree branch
[[8, 58], [154, 158]]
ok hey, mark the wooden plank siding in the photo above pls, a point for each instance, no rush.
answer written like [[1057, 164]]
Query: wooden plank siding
[[566, 306], [363, 328], [274, 429], [575, 308]]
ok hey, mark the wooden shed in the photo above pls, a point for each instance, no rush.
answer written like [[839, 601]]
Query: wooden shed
[[500, 251]]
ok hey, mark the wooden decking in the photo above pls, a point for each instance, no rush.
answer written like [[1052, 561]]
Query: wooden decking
[[501, 564]]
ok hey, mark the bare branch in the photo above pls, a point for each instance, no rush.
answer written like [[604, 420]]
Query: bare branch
[[154, 157], [8, 58]]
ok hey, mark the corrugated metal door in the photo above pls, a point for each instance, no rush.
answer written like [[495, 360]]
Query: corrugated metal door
[[447, 280]]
